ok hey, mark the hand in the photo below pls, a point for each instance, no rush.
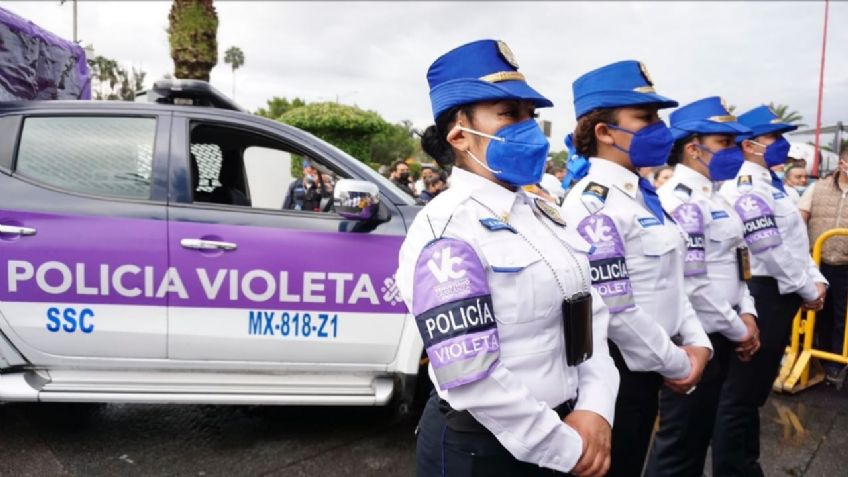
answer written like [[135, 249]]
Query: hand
[[818, 303], [751, 343], [597, 436], [698, 356]]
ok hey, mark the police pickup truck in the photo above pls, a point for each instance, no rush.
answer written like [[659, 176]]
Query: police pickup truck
[[145, 256]]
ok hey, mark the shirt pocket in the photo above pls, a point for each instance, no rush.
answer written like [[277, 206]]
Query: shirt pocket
[[521, 284]]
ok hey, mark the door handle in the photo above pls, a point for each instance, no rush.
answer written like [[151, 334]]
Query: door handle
[[15, 230], [198, 244]]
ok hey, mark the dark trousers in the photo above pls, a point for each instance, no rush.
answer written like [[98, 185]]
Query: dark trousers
[[441, 451], [686, 421], [736, 438], [635, 413], [830, 321]]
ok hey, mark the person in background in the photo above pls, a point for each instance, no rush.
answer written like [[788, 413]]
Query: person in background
[[552, 181], [638, 252], [794, 180], [661, 175], [704, 153], [401, 178], [824, 206], [434, 184], [308, 192], [427, 170], [784, 277]]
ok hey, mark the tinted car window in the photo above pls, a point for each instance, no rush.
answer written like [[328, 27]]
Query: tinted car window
[[107, 156]]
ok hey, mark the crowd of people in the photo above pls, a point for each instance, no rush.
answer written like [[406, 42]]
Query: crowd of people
[[564, 309]]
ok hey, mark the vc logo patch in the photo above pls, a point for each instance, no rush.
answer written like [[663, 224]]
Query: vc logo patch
[[446, 268]]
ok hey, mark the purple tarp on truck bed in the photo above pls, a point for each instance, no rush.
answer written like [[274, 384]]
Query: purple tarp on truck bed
[[36, 64]]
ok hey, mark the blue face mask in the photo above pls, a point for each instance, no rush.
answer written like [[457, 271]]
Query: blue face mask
[[650, 145], [725, 163], [776, 152], [516, 154]]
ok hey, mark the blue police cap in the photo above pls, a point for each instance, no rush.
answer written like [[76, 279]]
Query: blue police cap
[[621, 84], [705, 116], [484, 70], [762, 120]]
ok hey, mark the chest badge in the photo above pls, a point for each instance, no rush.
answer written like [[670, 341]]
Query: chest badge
[[550, 212]]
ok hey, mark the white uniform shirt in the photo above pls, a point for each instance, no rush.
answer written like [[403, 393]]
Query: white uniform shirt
[[637, 267], [774, 231], [513, 370], [715, 232], [553, 186]]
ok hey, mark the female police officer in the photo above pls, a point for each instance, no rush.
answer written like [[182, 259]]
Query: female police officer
[[500, 290], [715, 272], [637, 259], [784, 277]]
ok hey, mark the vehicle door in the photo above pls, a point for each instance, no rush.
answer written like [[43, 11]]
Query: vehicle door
[[265, 283], [83, 227]]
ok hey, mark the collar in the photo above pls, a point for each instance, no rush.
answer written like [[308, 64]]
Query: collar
[[612, 173], [756, 171], [693, 179], [498, 198]]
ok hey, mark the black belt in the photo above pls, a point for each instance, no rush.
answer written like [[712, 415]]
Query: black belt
[[463, 421]]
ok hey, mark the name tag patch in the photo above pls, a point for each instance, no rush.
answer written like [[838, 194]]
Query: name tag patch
[[719, 214], [494, 225], [646, 222]]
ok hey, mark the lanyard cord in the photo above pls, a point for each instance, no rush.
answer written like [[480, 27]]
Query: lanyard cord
[[542, 256]]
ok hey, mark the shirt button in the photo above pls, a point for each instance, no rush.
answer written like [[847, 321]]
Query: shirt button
[[570, 381]]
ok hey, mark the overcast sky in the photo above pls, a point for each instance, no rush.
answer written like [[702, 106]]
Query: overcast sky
[[376, 54]]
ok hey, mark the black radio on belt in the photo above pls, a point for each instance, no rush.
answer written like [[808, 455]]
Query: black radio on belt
[[743, 263], [577, 326]]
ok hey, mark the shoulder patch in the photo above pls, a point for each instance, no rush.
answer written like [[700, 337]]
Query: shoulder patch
[[691, 220], [607, 264], [549, 211], [744, 183], [683, 192], [453, 309], [760, 227], [594, 196]]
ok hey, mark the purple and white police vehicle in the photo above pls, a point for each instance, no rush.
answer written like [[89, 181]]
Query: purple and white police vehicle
[[145, 257]]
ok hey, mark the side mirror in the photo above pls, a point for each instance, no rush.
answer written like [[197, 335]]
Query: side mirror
[[356, 200]]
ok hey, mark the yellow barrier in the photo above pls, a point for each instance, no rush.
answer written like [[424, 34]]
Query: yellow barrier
[[802, 359]]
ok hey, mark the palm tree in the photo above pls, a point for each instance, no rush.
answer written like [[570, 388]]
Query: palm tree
[[192, 34], [786, 115], [235, 58]]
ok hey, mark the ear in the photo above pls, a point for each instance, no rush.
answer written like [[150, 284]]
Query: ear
[[747, 146], [691, 150], [458, 139], [603, 134]]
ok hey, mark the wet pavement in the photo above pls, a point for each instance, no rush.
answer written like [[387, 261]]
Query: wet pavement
[[803, 435]]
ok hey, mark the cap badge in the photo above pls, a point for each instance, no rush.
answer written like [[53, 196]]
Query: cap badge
[[645, 73], [506, 53]]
